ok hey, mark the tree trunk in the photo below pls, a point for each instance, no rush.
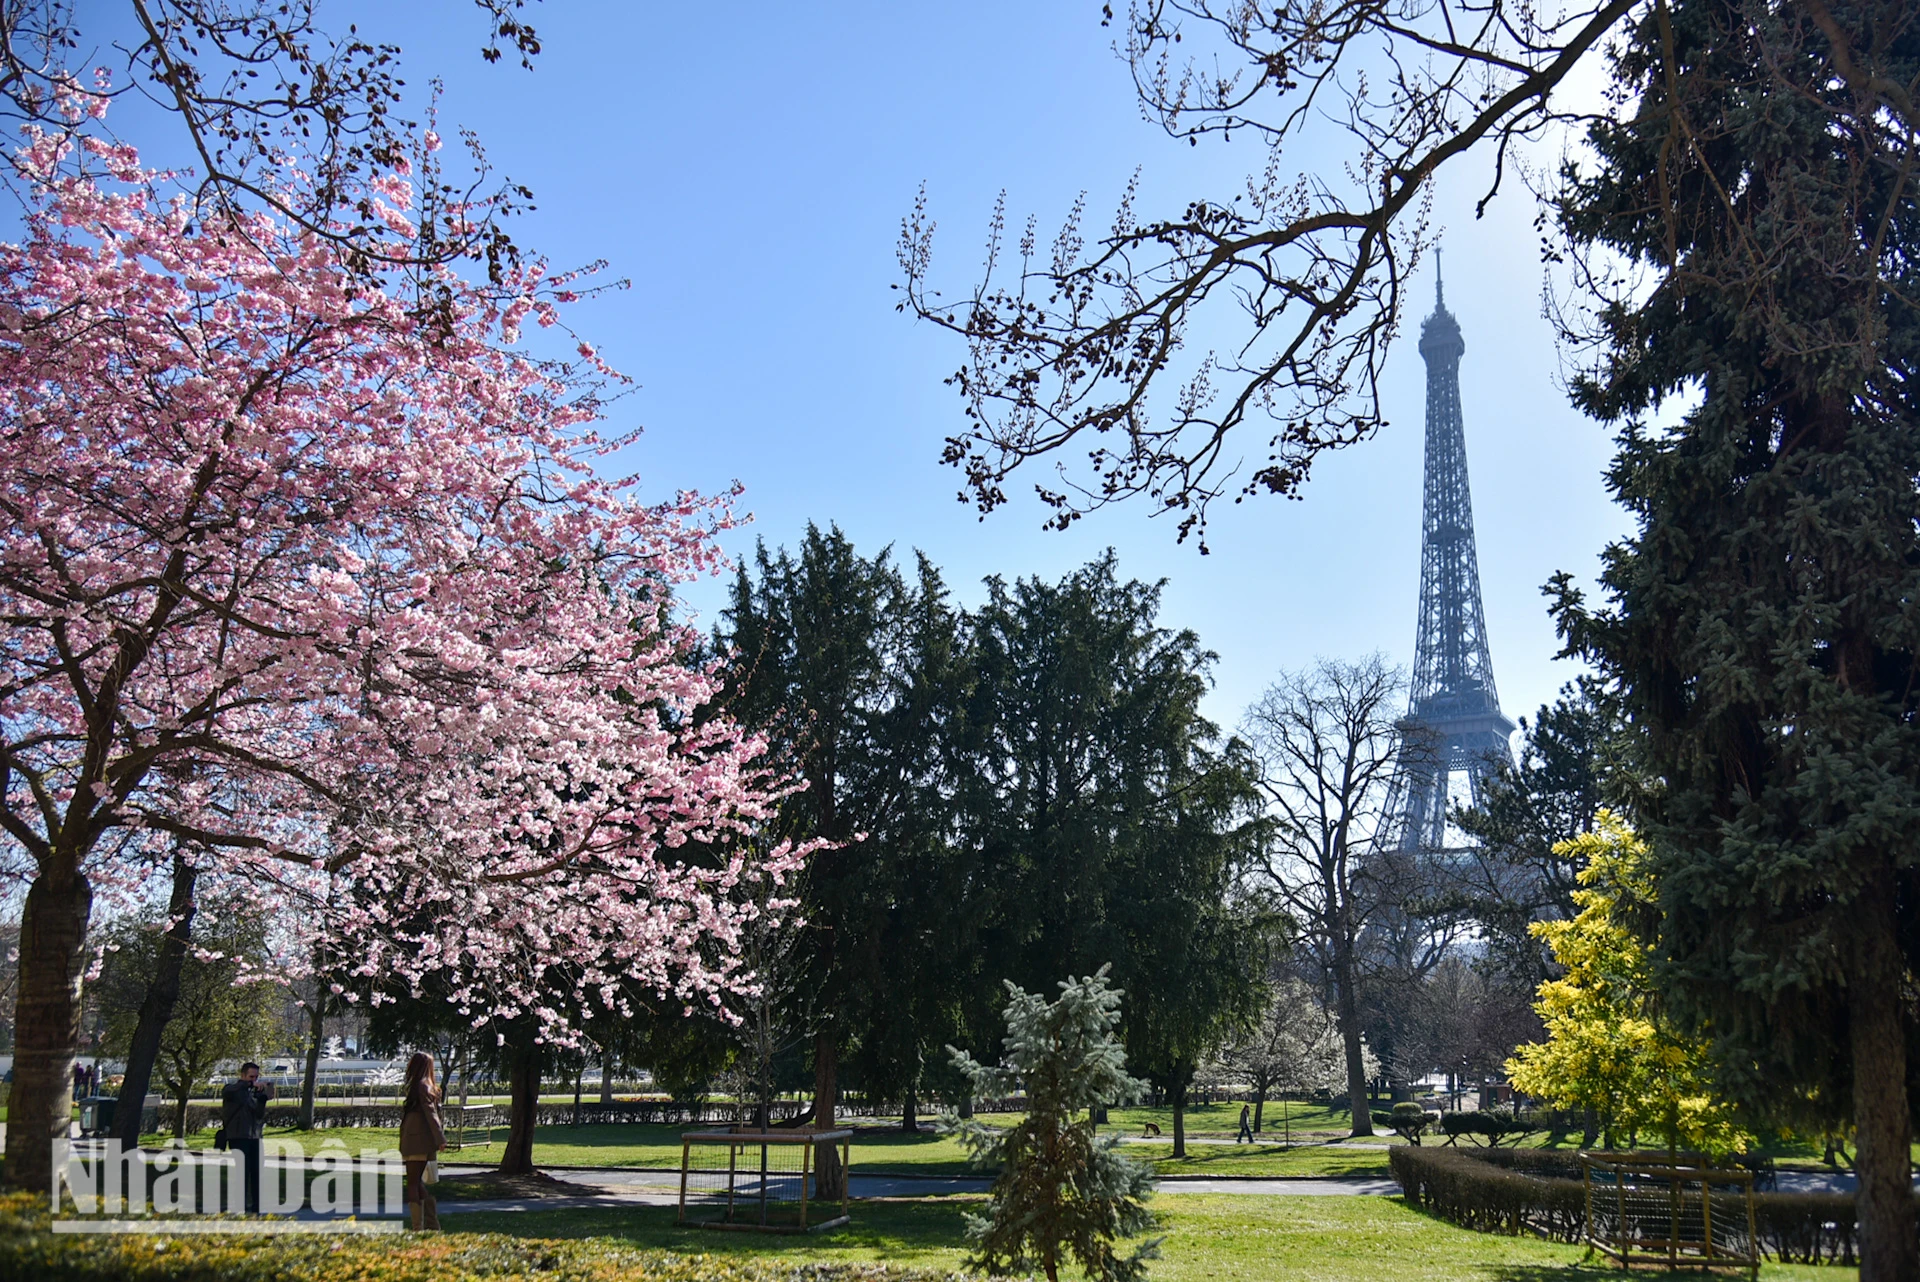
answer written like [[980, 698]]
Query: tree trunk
[[829, 1181], [1350, 1038], [523, 1107], [1259, 1107], [579, 1078], [156, 1008], [1179, 1094], [1889, 1249], [316, 1038], [180, 1103], [910, 1115], [606, 1077], [53, 936]]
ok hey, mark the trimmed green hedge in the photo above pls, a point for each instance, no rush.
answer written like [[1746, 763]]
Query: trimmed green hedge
[[1806, 1228], [1516, 1190], [30, 1252], [1482, 1190]]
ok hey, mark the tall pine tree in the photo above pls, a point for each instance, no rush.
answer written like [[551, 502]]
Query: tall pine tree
[[1764, 631], [1111, 824], [851, 672]]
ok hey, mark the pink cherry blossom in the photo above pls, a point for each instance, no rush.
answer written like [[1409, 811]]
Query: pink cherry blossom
[[306, 563]]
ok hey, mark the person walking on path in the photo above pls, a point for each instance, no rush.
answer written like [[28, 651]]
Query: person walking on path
[[243, 1114], [1246, 1130], [422, 1136]]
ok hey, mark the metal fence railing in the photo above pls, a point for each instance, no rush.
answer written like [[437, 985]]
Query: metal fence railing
[[1682, 1210]]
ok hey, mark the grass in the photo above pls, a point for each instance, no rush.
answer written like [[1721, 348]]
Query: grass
[[923, 1153], [627, 1146], [1318, 1131], [1217, 1237], [1262, 1160], [1223, 1119]]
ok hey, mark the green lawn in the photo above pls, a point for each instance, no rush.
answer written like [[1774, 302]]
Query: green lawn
[[1318, 1134], [1218, 1160], [1319, 1120], [923, 1153], [622, 1145], [1214, 1237]]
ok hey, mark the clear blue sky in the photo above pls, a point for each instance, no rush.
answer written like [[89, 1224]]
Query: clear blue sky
[[747, 166]]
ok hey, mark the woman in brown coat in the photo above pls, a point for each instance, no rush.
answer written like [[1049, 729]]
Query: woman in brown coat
[[422, 1136]]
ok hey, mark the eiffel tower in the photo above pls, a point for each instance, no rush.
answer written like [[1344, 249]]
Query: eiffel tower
[[1453, 722]]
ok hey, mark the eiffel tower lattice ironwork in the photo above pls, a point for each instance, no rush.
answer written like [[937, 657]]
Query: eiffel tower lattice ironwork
[[1453, 722]]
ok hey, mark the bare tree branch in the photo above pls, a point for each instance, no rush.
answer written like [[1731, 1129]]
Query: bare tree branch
[[1074, 348]]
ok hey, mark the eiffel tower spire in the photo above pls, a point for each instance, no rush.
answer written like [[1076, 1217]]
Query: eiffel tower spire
[[1453, 721]]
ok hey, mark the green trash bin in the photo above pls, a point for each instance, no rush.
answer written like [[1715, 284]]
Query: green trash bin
[[96, 1114]]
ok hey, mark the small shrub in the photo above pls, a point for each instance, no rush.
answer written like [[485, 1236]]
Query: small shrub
[[1492, 1126], [1063, 1195], [1408, 1121]]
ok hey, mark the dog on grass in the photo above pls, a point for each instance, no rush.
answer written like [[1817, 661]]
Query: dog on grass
[[1151, 1133]]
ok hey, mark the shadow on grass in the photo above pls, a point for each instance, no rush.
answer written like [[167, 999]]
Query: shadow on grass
[[1276, 1163], [894, 1229], [611, 1135], [1584, 1272], [658, 1146], [1579, 1271]]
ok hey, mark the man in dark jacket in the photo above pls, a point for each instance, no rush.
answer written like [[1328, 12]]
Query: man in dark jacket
[[243, 1112]]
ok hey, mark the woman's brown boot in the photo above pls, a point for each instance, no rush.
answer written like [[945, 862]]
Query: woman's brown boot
[[433, 1213], [419, 1216]]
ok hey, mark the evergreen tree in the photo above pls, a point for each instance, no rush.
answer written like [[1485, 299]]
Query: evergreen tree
[[1763, 631], [851, 672], [1062, 1193], [810, 641], [1571, 764], [1108, 822], [919, 928]]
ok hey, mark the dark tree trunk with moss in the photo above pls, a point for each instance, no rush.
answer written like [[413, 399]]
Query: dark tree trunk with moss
[[53, 933], [829, 1178], [523, 1105], [1347, 1008], [182, 1098], [1178, 1098], [316, 1041], [156, 1008], [1883, 1126]]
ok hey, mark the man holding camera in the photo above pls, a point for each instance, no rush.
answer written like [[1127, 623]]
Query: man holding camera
[[243, 1114]]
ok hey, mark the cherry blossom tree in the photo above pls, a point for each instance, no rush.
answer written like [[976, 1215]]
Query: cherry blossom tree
[[304, 562]]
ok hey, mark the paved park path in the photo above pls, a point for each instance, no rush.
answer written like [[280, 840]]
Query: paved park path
[[617, 1188], [614, 1187]]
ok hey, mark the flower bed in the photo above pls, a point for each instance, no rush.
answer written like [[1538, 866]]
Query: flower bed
[[29, 1250]]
